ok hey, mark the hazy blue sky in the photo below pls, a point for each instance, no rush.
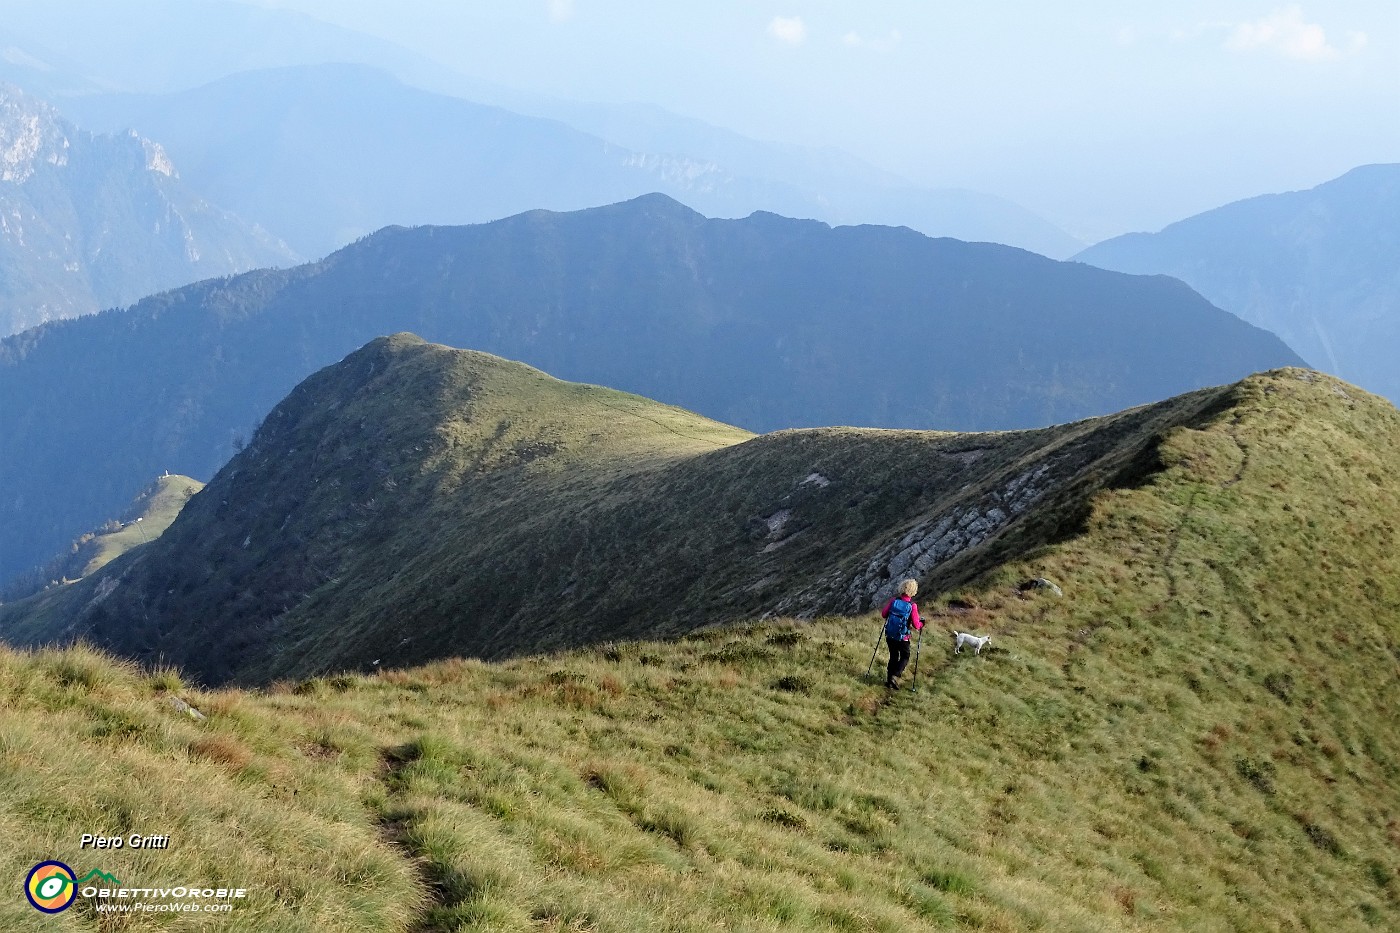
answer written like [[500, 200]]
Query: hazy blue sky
[[1102, 114]]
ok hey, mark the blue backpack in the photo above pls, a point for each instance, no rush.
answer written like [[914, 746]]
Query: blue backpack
[[897, 625]]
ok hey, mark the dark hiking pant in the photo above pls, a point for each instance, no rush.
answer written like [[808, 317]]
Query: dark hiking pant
[[899, 660]]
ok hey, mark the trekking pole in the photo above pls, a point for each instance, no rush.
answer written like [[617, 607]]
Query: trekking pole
[[917, 650], [871, 666]]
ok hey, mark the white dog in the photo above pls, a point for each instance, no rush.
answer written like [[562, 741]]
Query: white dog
[[963, 638]]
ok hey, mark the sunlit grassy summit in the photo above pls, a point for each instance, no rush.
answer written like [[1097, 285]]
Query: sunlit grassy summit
[[1197, 735], [149, 514]]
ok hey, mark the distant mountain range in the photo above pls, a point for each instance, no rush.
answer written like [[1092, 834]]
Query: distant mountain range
[[765, 322], [108, 45], [97, 221], [323, 154], [414, 502], [79, 47], [1320, 268], [326, 154]]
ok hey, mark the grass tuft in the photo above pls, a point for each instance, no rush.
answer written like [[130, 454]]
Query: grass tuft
[[223, 750], [950, 882]]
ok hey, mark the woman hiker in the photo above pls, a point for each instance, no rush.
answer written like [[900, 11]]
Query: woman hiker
[[899, 614]]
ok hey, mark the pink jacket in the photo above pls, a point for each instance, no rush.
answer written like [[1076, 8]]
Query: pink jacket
[[914, 619]]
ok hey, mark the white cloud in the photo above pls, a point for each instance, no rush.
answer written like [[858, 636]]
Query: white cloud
[[788, 29], [856, 41], [1286, 32], [561, 10]]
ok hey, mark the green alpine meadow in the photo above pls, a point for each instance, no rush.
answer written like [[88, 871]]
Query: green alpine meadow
[[408, 711], [152, 511]]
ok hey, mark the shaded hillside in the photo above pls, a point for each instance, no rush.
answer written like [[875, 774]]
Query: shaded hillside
[[154, 508], [415, 501], [92, 222], [1320, 268], [326, 153], [764, 322], [1199, 735]]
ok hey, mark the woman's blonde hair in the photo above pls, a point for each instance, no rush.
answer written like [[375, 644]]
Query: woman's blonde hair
[[909, 587]]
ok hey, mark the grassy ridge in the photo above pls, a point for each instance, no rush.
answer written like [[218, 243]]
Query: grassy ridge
[[415, 502], [155, 508], [1197, 736], [146, 519]]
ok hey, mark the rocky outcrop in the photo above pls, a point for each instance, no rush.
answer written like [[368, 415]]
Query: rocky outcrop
[[930, 543], [935, 540]]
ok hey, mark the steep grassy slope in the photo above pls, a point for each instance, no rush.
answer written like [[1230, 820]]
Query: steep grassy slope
[[142, 522], [1199, 735], [764, 322], [416, 501]]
